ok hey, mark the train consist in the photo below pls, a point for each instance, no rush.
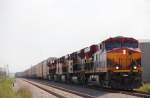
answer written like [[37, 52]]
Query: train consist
[[114, 63]]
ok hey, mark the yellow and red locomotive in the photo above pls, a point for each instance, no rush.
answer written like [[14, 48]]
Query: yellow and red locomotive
[[123, 58]]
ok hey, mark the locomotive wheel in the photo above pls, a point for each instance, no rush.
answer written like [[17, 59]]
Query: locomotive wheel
[[49, 77], [68, 78], [55, 78], [112, 84], [59, 78], [103, 82], [82, 78]]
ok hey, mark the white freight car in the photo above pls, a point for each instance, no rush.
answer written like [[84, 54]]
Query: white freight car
[[40, 70]]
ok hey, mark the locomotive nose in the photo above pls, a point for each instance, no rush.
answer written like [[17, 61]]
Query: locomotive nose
[[123, 58]]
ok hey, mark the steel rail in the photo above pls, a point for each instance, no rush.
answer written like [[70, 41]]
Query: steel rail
[[60, 88]]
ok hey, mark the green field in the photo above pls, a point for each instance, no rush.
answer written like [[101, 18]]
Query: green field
[[144, 88], [7, 92]]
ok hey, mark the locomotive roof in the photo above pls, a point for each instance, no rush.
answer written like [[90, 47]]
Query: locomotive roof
[[120, 38]]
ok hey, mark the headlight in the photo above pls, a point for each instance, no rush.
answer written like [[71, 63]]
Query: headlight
[[124, 51], [117, 67], [134, 67]]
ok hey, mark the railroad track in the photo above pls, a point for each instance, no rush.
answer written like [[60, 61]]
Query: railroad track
[[137, 93], [133, 93], [128, 92], [82, 95]]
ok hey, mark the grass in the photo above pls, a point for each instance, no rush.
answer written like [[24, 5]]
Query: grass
[[24, 93], [144, 88], [6, 90]]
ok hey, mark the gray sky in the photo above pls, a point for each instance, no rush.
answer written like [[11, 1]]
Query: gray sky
[[33, 30]]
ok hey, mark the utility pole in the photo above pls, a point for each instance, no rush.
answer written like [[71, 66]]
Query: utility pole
[[42, 71], [31, 72], [7, 70]]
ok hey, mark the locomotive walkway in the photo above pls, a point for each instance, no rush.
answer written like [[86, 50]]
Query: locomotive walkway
[[59, 90]]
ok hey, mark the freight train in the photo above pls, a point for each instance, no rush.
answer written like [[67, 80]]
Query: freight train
[[114, 63]]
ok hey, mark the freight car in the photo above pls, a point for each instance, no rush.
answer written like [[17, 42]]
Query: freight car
[[40, 70], [115, 63]]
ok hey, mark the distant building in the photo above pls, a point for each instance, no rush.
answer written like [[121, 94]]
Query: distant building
[[145, 48]]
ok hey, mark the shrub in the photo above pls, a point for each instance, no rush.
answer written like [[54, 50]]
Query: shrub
[[145, 88], [6, 90]]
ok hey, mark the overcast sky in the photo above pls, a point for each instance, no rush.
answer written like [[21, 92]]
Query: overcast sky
[[33, 30]]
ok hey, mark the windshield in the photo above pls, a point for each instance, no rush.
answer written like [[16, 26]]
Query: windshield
[[130, 44], [112, 45], [117, 44]]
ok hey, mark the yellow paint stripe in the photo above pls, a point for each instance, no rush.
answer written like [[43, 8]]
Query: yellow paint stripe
[[125, 71], [121, 70]]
